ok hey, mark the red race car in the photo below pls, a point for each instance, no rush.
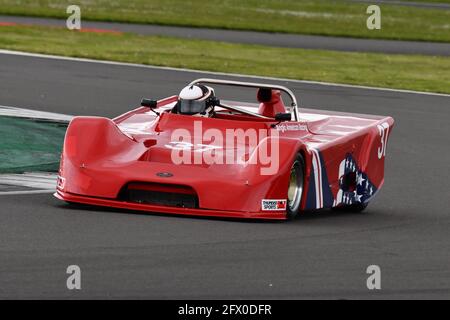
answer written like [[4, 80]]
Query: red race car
[[196, 154]]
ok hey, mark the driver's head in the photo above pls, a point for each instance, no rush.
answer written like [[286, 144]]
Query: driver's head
[[197, 100]]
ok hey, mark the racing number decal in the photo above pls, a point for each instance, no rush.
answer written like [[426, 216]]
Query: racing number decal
[[383, 130], [181, 145]]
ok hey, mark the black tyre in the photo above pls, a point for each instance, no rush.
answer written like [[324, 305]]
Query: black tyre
[[295, 187]]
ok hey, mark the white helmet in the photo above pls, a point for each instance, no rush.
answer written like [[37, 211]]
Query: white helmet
[[198, 100]]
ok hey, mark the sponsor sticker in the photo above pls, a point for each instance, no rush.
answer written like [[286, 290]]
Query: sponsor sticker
[[273, 205], [291, 127]]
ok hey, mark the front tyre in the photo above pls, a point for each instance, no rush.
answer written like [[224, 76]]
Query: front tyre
[[295, 187]]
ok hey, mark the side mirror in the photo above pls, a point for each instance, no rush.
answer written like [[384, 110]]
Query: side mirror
[[283, 117], [152, 104]]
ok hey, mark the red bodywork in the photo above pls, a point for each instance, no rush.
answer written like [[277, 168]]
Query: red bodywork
[[103, 158]]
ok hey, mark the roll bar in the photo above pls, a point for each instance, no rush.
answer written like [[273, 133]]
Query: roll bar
[[294, 106]]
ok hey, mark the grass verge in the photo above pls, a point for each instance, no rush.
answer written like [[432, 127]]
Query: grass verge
[[414, 72], [319, 17]]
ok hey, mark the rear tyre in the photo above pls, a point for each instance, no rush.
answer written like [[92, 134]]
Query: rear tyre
[[295, 187]]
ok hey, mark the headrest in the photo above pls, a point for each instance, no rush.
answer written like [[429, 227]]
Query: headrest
[[268, 96]]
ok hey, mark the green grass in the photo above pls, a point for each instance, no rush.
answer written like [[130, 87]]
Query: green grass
[[425, 73], [320, 17]]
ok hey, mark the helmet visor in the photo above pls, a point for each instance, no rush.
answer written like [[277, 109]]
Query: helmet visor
[[192, 106]]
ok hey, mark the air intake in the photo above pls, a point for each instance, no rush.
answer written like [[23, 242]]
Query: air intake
[[160, 194]]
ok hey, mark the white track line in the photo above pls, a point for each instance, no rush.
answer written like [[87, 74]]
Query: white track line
[[46, 56], [33, 114], [40, 181], [13, 193]]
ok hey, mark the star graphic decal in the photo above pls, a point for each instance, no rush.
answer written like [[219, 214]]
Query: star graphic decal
[[360, 179]]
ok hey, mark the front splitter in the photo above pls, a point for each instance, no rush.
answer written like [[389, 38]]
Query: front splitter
[[69, 197]]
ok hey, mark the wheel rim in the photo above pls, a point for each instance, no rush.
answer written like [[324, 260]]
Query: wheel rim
[[295, 189]]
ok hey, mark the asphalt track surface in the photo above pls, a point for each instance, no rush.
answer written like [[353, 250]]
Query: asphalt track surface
[[260, 38], [325, 254]]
